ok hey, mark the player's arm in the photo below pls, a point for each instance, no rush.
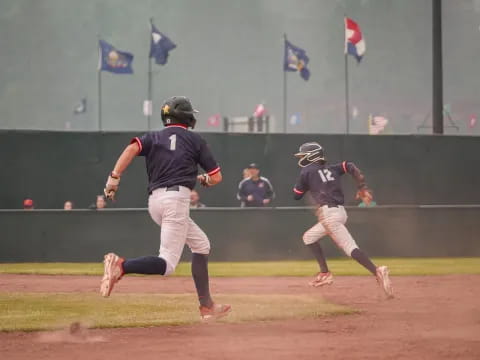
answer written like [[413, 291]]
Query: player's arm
[[355, 172], [363, 192], [210, 180], [124, 160], [213, 175], [300, 188]]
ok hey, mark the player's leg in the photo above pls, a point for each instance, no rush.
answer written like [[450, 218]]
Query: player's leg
[[199, 244], [171, 211], [333, 220], [311, 238]]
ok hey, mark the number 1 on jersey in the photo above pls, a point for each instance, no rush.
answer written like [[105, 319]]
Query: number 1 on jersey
[[325, 175], [173, 142]]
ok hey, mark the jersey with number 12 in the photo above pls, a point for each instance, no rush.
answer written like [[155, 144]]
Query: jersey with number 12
[[323, 182]]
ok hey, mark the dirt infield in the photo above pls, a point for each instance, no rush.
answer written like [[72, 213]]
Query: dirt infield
[[432, 317]]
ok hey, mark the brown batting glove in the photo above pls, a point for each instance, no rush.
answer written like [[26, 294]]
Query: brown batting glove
[[365, 194], [111, 186]]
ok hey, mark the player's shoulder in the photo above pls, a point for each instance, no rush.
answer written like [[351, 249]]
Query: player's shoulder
[[310, 168], [337, 165], [194, 136], [341, 166]]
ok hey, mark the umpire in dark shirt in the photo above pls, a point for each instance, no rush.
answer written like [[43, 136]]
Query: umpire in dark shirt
[[255, 191]]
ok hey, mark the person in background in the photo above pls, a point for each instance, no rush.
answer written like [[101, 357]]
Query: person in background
[[28, 204], [245, 173], [100, 203], [195, 200], [255, 191], [68, 205]]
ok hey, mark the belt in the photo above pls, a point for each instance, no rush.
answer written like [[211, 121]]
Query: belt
[[329, 205], [169, 188]]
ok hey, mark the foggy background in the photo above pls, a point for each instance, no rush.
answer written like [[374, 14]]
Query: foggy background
[[229, 58]]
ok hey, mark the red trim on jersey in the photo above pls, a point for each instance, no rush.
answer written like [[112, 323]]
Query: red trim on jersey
[[137, 140], [344, 164], [214, 171], [298, 191], [178, 125]]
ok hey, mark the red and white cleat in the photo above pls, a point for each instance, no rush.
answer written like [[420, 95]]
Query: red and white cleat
[[322, 279], [112, 273], [216, 311], [384, 281]]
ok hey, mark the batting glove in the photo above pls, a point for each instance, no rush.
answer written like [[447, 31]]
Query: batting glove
[[112, 186], [204, 180]]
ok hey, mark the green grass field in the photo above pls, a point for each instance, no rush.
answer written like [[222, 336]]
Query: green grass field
[[398, 267], [29, 312]]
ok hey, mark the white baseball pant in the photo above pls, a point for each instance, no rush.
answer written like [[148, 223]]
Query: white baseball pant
[[171, 211], [331, 221]]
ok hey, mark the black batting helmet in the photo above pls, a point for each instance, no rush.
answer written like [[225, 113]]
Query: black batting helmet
[[309, 153], [178, 110]]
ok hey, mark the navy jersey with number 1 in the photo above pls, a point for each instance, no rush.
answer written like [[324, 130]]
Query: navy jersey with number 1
[[172, 156]]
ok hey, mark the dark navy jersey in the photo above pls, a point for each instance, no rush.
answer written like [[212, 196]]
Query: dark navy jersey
[[260, 189], [323, 182], [172, 156]]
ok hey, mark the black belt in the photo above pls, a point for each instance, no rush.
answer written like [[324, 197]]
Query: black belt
[[331, 205]]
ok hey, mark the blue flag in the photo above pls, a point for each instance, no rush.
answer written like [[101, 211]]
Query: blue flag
[[296, 59], [160, 45], [113, 60]]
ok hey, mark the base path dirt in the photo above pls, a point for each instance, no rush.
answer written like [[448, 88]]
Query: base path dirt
[[432, 317]]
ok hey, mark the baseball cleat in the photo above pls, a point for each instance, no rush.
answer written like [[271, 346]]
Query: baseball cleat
[[112, 273], [216, 311], [384, 281], [322, 279]]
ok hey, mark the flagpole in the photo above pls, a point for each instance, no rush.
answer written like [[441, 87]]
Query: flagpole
[[99, 100], [284, 92], [150, 101], [99, 84], [347, 100], [150, 85], [347, 104]]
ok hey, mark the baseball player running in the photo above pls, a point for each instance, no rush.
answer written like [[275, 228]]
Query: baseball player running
[[323, 182], [171, 157]]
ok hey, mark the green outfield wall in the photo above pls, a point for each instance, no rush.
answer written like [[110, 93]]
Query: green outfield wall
[[51, 167], [237, 234]]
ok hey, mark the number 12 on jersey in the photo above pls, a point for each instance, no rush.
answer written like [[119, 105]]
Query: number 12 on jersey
[[173, 142], [325, 175]]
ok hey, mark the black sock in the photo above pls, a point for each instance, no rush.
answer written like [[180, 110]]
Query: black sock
[[145, 265], [318, 253], [364, 260], [200, 277]]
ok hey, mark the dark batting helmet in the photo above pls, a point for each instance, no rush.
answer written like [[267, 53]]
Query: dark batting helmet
[[309, 153], [178, 110]]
